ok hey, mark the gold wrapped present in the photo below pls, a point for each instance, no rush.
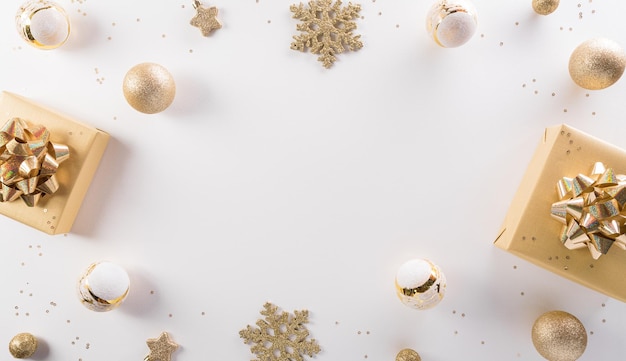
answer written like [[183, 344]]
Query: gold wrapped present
[[34, 141], [569, 211]]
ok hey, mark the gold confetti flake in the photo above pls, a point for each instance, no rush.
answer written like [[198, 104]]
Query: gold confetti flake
[[205, 19], [326, 29], [280, 336]]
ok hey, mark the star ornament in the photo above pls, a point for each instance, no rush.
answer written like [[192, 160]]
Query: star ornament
[[161, 348], [205, 19]]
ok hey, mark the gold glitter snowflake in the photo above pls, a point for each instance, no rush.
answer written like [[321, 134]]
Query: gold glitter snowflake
[[326, 29], [280, 336]]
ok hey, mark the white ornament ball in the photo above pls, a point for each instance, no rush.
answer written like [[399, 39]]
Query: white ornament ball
[[43, 24], [452, 23], [103, 286], [420, 284]]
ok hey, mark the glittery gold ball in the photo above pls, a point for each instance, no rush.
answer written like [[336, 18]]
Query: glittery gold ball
[[597, 63], [545, 7], [559, 336], [408, 355], [23, 345], [149, 88]]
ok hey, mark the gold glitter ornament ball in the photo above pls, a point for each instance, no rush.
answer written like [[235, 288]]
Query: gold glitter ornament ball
[[545, 7], [408, 355], [597, 63], [559, 336], [149, 88], [23, 345]]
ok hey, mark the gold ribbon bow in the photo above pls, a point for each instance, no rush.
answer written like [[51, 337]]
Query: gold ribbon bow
[[592, 210], [28, 162]]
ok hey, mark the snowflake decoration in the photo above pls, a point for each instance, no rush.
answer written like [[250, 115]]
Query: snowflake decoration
[[280, 336], [326, 29]]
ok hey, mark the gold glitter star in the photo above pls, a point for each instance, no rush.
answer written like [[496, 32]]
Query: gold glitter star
[[205, 19], [161, 348]]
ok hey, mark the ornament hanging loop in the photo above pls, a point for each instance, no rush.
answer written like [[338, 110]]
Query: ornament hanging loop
[[196, 4]]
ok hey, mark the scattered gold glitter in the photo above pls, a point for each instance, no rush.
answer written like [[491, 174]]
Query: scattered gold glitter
[[280, 336], [326, 29], [559, 336], [23, 345], [597, 63], [408, 355], [205, 18], [161, 348]]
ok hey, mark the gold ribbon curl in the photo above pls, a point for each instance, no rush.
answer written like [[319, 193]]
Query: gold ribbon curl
[[28, 162], [592, 210]]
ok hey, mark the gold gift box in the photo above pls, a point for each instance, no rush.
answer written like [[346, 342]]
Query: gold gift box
[[531, 233], [55, 213]]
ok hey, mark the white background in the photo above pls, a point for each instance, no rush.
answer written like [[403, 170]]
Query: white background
[[271, 178]]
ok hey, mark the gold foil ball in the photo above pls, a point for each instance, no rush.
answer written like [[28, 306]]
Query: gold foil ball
[[559, 336], [408, 355], [43, 24], [597, 63], [545, 7], [149, 88], [23, 345]]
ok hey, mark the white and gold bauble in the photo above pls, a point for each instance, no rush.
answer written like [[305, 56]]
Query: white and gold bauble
[[420, 284], [43, 24], [103, 286], [452, 23]]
